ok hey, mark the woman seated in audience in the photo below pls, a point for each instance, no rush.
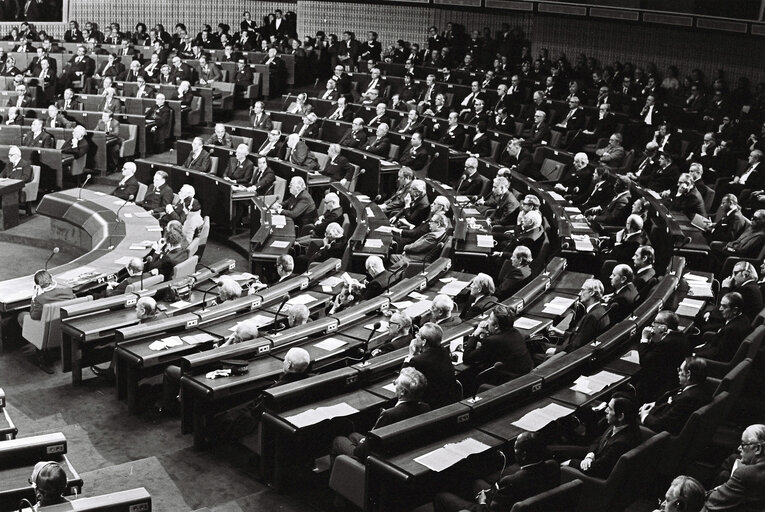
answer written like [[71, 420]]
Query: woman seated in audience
[[477, 296], [332, 246], [49, 483], [428, 356], [410, 387], [168, 252]]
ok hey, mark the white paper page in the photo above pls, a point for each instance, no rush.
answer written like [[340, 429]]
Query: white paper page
[[633, 356], [438, 460], [180, 304], [302, 299], [173, 341], [526, 323], [330, 344], [331, 281], [454, 288], [418, 308], [278, 220], [280, 244], [485, 240], [390, 387], [373, 243]]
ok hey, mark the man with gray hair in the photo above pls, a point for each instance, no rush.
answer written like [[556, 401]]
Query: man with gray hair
[[245, 330], [576, 177], [77, 145], [381, 279], [298, 153], [17, 168], [515, 272], [338, 167], [299, 206], [134, 275], [424, 249], [410, 387], [471, 182], [439, 205], [285, 265], [416, 207], [311, 126], [198, 159], [298, 314], [127, 188], [399, 334], [588, 317], [745, 488], [626, 241], [379, 144], [441, 312], [220, 137], [240, 168], [501, 208], [295, 367]]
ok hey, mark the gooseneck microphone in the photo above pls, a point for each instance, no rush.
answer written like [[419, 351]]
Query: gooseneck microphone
[[375, 328], [204, 296], [79, 194], [128, 200], [52, 253], [276, 316]]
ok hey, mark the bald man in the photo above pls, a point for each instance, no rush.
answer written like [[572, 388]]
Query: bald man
[[198, 159], [128, 185], [17, 168]]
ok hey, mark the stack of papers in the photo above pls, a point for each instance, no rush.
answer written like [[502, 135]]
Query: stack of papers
[[526, 323], [462, 199], [373, 243], [331, 281], [418, 308], [595, 383], [301, 299], [418, 296], [582, 243], [369, 212], [689, 307], [180, 304], [197, 339], [453, 288], [451, 453], [555, 195], [633, 356], [558, 305], [700, 289], [330, 344], [485, 240], [384, 229], [313, 416], [278, 220], [572, 209], [170, 341], [280, 244], [583, 226], [540, 418]]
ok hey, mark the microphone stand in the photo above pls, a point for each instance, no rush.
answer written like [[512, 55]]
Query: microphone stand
[[79, 194], [204, 297], [276, 316], [365, 354], [52, 253]]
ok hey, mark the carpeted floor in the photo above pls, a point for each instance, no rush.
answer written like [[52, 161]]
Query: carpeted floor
[[113, 450]]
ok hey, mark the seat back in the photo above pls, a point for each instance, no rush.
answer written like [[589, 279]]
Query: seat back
[[555, 138], [247, 141], [214, 165], [634, 473], [129, 136], [734, 381], [551, 169], [563, 498], [393, 153], [147, 281], [142, 189], [193, 247], [276, 125], [357, 171], [710, 417], [204, 234], [32, 188], [186, 268], [280, 186], [45, 333]]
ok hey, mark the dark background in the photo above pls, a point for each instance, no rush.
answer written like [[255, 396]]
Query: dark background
[[31, 10]]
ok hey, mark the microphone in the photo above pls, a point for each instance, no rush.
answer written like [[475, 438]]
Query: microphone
[[390, 277], [375, 327], [79, 194], [141, 279], [286, 103], [272, 203], [129, 199], [459, 184], [204, 297], [276, 316], [52, 253]]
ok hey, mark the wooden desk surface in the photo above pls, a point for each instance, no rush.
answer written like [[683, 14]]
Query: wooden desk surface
[[261, 369], [145, 357], [102, 260]]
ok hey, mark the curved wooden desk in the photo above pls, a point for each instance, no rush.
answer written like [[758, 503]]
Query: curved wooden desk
[[91, 223]]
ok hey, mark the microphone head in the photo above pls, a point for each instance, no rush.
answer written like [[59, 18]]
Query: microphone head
[[56, 250], [377, 325], [89, 176], [131, 197]]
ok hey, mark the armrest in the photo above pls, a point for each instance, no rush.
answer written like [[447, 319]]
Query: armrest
[[569, 474], [348, 479]]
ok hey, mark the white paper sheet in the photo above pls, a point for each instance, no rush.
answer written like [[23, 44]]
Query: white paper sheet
[[633, 356], [454, 288], [301, 299], [485, 240], [373, 243], [280, 244], [180, 304], [526, 323], [330, 344]]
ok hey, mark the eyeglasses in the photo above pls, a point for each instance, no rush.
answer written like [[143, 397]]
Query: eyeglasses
[[752, 443]]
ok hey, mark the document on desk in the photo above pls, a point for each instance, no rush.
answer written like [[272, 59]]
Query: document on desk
[[526, 323], [123, 260], [384, 229], [74, 273], [462, 199], [127, 215], [689, 307], [453, 288], [154, 229], [373, 243], [99, 193], [485, 240], [390, 387], [595, 383], [198, 339], [700, 289], [633, 356], [369, 212], [260, 320], [572, 209], [363, 198], [313, 416], [539, 418], [173, 341], [279, 221], [557, 305], [450, 454], [330, 344], [418, 308], [142, 215], [280, 244], [301, 299], [580, 225], [418, 296], [402, 304], [582, 243], [693, 277], [331, 281], [180, 304], [470, 211]]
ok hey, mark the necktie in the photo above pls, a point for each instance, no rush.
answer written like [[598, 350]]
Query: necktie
[[746, 175], [66, 105]]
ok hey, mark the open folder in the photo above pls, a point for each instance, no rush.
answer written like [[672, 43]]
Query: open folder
[[450, 454]]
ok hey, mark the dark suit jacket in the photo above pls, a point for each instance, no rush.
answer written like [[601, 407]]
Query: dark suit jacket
[[418, 211], [473, 185], [302, 156], [689, 204], [504, 208], [436, 365], [729, 227], [83, 147], [379, 147], [157, 198], [513, 280], [615, 213], [395, 343], [239, 172], [622, 303], [378, 285], [507, 347], [455, 139], [528, 481], [263, 181], [674, 408], [539, 133], [659, 362], [608, 448], [413, 158], [165, 261], [644, 281], [329, 217], [20, 171], [340, 169], [43, 140], [589, 326], [130, 188], [301, 209], [353, 140], [522, 162], [751, 294], [480, 146], [201, 163], [747, 245], [473, 309], [58, 294], [722, 345], [744, 490], [400, 412]]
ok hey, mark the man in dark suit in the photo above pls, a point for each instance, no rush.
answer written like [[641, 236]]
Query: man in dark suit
[[37, 137], [540, 130], [618, 208], [381, 277], [380, 117], [79, 66], [259, 118], [514, 273], [342, 112], [687, 199], [670, 412], [744, 281], [299, 206], [645, 274], [471, 183], [379, 144], [430, 358], [243, 78], [240, 168], [399, 333], [69, 102], [271, 147], [662, 177], [134, 272], [311, 127], [128, 185], [297, 152], [198, 159], [574, 119], [76, 145], [515, 157], [662, 350], [729, 222], [160, 117], [502, 203], [16, 168], [621, 436], [603, 127], [220, 137], [622, 302], [181, 72], [263, 178], [416, 207], [534, 475], [454, 135], [333, 213], [415, 155], [745, 488], [721, 345], [747, 245], [159, 194], [590, 318], [355, 137], [338, 168], [410, 387]]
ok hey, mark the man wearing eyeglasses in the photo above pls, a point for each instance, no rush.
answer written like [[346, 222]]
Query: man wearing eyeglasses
[[662, 351], [721, 345], [670, 412], [745, 489]]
